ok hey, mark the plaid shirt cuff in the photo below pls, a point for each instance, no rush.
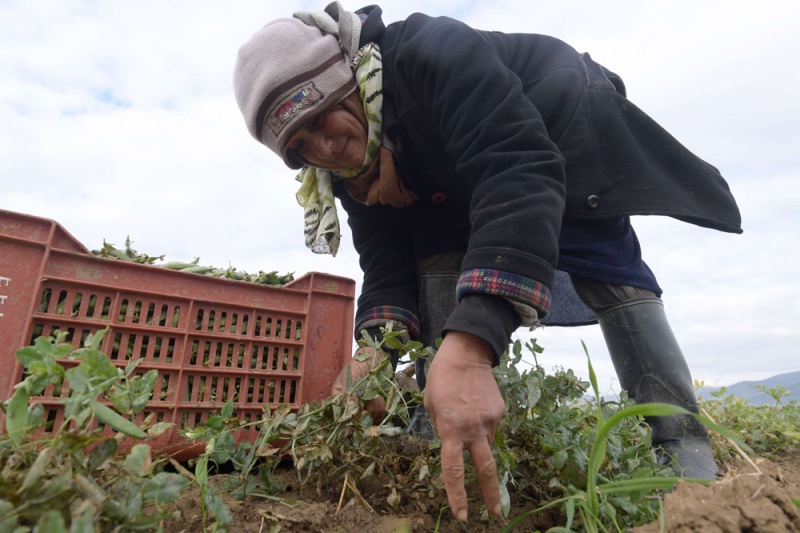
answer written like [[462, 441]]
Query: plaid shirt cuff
[[511, 286], [378, 316]]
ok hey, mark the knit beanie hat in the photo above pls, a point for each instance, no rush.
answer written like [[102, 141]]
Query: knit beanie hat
[[285, 75]]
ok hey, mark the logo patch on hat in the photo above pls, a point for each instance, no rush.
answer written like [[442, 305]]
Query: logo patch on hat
[[303, 98]]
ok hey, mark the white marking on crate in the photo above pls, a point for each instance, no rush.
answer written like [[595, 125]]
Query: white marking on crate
[[4, 297]]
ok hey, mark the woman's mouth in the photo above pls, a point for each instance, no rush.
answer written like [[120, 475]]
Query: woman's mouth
[[343, 150]]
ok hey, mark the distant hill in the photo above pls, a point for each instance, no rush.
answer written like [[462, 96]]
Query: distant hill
[[746, 389]]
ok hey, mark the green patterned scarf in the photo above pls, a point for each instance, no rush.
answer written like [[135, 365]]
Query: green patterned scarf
[[316, 192]]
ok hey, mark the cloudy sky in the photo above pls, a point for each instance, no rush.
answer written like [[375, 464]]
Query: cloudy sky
[[118, 118]]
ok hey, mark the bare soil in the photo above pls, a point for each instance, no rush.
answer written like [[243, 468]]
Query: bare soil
[[751, 497]]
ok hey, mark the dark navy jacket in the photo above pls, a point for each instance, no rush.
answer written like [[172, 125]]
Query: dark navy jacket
[[501, 136]]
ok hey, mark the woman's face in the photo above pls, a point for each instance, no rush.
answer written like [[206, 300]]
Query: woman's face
[[334, 140]]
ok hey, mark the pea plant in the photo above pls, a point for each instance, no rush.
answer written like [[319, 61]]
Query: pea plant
[[588, 458], [74, 479], [560, 447]]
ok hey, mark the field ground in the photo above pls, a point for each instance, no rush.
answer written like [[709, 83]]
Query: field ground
[[750, 497]]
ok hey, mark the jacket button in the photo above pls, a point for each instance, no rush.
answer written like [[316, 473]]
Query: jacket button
[[592, 201], [438, 197]]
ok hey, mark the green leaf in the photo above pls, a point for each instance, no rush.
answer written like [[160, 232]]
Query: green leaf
[[215, 422], [369, 394], [214, 503], [592, 375], [224, 448], [78, 379], [8, 522], [97, 363], [159, 429], [164, 487], [151, 522], [505, 497], [85, 486], [243, 457], [101, 453], [120, 398], [648, 484], [78, 408], [44, 349], [138, 461], [40, 362], [560, 459], [570, 513], [517, 351], [534, 390], [51, 522], [227, 409], [30, 355], [96, 340], [129, 495], [17, 415], [351, 409], [141, 390], [131, 366], [35, 415], [38, 469], [201, 469], [84, 521]]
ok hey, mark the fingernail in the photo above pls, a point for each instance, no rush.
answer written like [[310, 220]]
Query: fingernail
[[498, 510], [462, 515]]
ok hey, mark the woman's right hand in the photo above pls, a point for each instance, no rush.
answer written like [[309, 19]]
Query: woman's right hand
[[465, 407], [364, 360]]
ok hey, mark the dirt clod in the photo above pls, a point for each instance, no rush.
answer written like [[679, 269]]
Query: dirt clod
[[744, 500]]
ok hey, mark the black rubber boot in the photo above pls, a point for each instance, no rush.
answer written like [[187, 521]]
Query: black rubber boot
[[437, 298], [651, 367]]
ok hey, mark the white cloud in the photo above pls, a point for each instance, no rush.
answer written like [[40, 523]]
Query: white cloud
[[118, 119]]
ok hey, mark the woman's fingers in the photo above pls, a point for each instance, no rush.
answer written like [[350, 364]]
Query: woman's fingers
[[453, 473], [486, 468]]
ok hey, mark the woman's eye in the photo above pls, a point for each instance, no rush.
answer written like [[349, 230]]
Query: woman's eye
[[317, 122], [298, 145]]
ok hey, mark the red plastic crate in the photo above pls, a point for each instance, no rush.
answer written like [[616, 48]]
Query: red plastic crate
[[211, 339]]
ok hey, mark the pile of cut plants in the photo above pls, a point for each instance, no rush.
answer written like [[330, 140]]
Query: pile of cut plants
[[130, 255], [568, 459]]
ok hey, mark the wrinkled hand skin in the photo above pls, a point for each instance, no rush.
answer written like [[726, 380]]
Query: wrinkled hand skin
[[465, 406], [359, 369]]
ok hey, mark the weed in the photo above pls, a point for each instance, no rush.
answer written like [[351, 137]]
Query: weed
[[767, 429]]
